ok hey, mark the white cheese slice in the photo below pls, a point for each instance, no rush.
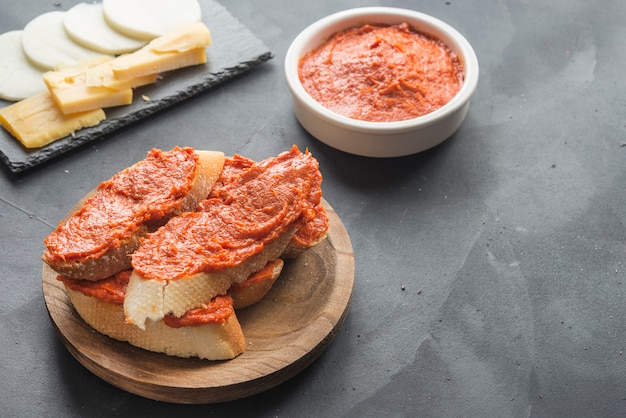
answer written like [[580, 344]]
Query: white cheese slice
[[86, 25], [47, 44], [19, 78], [148, 19]]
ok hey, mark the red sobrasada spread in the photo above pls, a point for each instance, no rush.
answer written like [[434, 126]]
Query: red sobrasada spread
[[220, 308], [307, 234], [382, 73], [250, 206], [110, 290], [144, 192]]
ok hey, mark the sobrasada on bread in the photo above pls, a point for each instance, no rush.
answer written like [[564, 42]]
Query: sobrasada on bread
[[189, 273], [95, 242], [243, 224]]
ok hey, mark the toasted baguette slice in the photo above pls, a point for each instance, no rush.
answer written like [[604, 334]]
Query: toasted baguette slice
[[105, 265], [150, 299], [256, 286], [211, 341], [109, 254]]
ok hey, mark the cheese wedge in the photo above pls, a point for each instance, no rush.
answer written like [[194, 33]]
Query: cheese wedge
[[181, 47], [91, 85], [99, 73], [103, 76], [71, 93], [37, 121]]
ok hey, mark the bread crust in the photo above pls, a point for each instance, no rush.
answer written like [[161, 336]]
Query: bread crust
[[211, 341], [92, 268]]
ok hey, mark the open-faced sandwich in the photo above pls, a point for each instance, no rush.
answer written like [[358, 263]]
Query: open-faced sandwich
[[163, 253]]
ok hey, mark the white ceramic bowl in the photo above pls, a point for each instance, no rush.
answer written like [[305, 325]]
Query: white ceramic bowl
[[380, 139]]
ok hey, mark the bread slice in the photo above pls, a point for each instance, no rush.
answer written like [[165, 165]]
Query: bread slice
[[151, 299], [96, 241], [218, 340], [256, 286]]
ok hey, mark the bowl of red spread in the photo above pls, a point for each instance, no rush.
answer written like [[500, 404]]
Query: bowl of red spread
[[381, 81]]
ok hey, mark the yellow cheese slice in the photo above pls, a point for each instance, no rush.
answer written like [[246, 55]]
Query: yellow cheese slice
[[182, 38], [181, 47], [137, 67], [38, 121], [102, 76], [71, 93], [98, 73]]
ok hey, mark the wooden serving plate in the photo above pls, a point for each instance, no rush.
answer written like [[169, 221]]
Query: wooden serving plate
[[285, 332]]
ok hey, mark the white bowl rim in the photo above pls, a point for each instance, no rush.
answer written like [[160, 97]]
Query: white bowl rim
[[295, 52]]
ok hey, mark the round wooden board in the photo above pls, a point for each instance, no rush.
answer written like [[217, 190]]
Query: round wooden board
[[285, 332]]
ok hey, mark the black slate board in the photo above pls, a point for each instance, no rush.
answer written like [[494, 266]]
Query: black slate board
[[234, 50]]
